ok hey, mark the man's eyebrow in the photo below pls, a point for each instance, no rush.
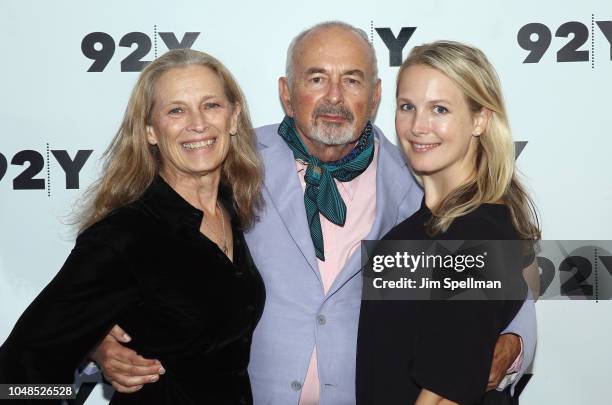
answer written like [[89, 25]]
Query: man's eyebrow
[[314, 70], [354, 72], [350, 72]]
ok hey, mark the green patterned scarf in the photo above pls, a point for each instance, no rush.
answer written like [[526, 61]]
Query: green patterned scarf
[[321, 194]]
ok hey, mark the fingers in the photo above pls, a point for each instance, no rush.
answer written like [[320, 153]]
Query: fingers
[[122, 388], [498, 367], [507, 349], [136, 370], [120, 334], [125, 369], [134, 358], [494, 380], [118, 373], [497, 372], [111, 349]]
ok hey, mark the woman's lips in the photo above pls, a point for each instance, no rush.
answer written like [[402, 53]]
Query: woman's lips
[[207, 143], [423, 147]]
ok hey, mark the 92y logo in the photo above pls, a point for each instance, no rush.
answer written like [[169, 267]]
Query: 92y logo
[[575, 270], [100, 47], [35, 163], [394, 44], [537, 37]]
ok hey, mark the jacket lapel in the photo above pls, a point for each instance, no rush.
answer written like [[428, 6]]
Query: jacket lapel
[[392, 184], [285, 192], [392, 179]]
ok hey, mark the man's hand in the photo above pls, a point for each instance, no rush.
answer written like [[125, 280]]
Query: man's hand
[[122, 367], [507, 349]]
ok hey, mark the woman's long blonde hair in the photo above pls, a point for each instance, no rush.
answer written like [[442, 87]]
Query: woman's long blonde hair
[[495, 178], [131, 164]]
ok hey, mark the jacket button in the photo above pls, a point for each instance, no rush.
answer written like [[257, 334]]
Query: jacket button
[[296, 385], [321, 319]]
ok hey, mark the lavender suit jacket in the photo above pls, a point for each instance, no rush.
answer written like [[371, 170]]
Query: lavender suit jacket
[[297, 314]]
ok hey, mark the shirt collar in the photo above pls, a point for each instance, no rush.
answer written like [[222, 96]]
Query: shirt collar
[[167, 205]]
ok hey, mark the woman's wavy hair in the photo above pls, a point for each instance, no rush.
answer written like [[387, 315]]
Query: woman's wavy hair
[[131, 164], [495, 179]]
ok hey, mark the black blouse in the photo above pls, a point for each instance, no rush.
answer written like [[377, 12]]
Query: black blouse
[[147, 267], [443, 346]]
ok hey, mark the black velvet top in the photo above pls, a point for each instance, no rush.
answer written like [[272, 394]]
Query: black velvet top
[[148, 268], [444, 346]]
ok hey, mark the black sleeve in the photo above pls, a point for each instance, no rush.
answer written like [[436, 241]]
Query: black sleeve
[[70, 316], [455, 347], [457, 338]]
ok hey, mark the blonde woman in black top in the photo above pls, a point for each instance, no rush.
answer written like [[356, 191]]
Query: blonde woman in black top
[[161, 251], [452, 124]]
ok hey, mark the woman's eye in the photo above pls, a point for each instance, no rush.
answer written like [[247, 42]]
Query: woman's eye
[[438, 109], [406, 107], [210, 106], [316, 80], [175, 111]]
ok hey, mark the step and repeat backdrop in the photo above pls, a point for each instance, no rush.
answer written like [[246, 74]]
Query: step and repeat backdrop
[[68, 67]]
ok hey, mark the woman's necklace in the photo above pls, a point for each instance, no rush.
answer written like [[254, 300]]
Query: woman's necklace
[[224, 240]]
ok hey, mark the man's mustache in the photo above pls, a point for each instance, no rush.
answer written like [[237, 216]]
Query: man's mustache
[[338, 110]]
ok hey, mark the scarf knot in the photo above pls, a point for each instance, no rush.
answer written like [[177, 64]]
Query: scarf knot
[[321, 195]]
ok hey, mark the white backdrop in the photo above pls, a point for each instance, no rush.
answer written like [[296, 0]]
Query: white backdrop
[[50, 102]]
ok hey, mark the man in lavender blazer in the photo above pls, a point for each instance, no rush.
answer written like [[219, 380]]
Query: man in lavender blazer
[[298, 315], [331, 73]]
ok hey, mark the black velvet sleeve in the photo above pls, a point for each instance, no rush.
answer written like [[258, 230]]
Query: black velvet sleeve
[[70, 316]]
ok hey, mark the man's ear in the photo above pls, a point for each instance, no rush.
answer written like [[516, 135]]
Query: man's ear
[[376, 95], [285, 95]]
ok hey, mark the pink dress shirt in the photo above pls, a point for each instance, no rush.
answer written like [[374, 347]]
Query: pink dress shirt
[[339, 243]]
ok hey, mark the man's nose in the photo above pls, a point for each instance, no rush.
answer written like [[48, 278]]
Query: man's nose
[[335, 92]]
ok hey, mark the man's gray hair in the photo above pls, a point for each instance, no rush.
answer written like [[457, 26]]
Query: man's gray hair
[[330, 24]]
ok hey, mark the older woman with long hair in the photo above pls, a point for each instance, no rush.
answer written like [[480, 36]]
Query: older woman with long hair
[[160, 250], [452, 125]]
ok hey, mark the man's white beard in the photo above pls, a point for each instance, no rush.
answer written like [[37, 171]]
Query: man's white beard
[[330, 134]]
